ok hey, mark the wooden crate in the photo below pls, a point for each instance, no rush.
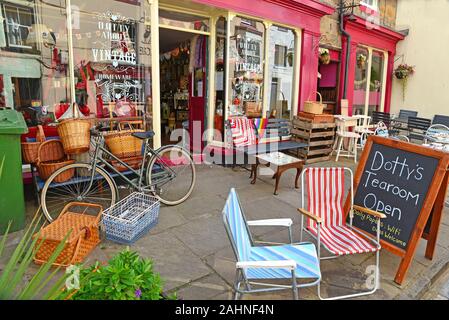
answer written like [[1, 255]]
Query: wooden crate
[[319, 137], [316, 118]]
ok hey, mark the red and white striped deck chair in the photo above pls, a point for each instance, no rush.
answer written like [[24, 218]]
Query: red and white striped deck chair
[[325, 188]]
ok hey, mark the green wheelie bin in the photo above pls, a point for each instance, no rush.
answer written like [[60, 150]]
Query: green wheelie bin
[[12, 203]]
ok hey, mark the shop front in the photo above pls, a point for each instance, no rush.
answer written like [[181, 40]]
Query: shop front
[[175, 64], [370, 68]]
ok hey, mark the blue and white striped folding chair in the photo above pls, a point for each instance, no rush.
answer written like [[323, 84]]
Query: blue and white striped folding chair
[[266, 263]]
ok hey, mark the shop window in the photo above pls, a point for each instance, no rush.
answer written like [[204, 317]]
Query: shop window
[[281, 72], [368, 82], [112, 53], [246, 67], [18, 21]]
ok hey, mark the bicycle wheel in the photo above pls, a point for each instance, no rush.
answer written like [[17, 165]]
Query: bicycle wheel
[[174, 189], [55, 196]]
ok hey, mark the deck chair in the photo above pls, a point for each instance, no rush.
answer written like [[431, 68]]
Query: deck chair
[[267, 263], [326, 220]]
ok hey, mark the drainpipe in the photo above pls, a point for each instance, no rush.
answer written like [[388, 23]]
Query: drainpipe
[[348, 48]]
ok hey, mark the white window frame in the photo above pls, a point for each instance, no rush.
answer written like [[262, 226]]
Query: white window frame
[[372, 4], [7, 24]]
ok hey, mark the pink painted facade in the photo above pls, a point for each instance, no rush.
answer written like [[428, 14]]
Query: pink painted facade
[[303, 14], [377, 37]]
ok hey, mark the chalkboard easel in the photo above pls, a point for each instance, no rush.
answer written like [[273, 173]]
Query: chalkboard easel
[[418, 221]]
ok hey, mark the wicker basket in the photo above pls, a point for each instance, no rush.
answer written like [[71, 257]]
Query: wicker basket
[[84, 235], [30, 149], [75, 135], [122, 144], [133, 162], [46, 169], [131, 218]]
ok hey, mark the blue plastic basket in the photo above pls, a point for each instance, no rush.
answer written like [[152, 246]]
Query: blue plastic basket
[[131, 218]]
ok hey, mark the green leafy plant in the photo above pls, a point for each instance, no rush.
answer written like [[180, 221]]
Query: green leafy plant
[[127, 276], [12, 283], [402, 73]]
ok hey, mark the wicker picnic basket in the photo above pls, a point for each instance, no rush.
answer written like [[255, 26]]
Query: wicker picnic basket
[[51, 157], [122, 144], [84, 234], [75, 135], [29, 149]]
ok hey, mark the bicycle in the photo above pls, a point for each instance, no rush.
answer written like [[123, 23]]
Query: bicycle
[[169, 175]]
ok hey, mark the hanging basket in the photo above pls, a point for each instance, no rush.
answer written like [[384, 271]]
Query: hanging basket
[[30, 149], [75, 135]]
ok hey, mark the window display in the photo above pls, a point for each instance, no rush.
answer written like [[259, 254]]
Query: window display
[[246, 66]]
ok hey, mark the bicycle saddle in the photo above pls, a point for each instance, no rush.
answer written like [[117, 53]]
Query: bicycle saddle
[[143, 135]]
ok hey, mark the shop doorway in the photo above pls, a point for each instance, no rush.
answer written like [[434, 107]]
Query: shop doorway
[[183, 86]]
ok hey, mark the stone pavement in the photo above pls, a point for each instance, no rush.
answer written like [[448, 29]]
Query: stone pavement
[[192, 253], [440, 289]]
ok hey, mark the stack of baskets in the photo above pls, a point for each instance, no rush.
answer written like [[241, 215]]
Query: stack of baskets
[[124, 146], [51, 157], [84, 235], [30, 149], [131, 218]]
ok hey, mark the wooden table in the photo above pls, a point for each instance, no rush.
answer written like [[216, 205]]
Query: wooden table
[[282, 161]]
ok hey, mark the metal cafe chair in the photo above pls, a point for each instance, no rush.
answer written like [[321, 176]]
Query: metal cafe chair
[[441, 119], [400, 123], [326, 221], [417, 128], [258, 266]]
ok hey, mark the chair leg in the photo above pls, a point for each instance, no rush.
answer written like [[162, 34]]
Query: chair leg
[[237, 282], [294, 286], [340, 145], [359, 294], [355, 149]]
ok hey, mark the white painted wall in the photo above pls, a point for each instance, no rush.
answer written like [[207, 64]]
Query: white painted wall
[[427, 48]]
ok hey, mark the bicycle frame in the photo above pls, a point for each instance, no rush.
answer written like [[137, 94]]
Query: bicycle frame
[[167, 173]]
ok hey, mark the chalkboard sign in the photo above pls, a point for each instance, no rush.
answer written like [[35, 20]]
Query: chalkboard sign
[[394, 182], [407, 183]]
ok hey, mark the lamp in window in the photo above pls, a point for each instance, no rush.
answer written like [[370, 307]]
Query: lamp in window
[[40, 33]]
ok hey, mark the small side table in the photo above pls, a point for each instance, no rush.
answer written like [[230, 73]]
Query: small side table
[[282, 161]]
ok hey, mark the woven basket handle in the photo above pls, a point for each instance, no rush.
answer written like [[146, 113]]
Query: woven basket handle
[[40, 134], [87, 234], [321, 97]]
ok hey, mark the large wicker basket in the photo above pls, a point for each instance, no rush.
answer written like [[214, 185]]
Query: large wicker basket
[[84, 234], [51, 157], [122, 144], [75, 135], [29, 149]]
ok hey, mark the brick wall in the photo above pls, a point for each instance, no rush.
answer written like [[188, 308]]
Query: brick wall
[[329, 24]]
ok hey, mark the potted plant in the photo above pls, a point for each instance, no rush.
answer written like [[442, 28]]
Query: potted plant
[[402, 73], [361, 60], [325, 57]]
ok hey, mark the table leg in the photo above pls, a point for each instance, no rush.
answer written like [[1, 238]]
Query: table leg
[[279, 172], [254, 172], [298, 173]]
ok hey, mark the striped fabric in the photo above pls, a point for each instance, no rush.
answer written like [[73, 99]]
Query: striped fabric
[[325, 197], [304, 254], [243, 131]]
